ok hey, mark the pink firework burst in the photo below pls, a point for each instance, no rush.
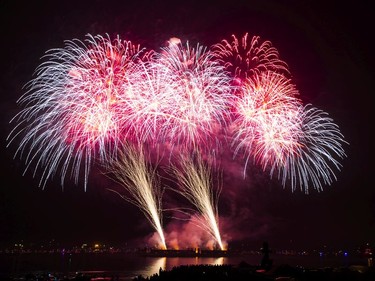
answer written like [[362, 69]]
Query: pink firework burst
[[194, 97], [266, 118], [246, 57], [73, 110], [298, 144]]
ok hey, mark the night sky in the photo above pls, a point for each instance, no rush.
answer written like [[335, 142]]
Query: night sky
[[327, 48]]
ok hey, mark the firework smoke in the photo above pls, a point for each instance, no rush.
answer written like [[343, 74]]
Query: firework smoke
[[195, 180]]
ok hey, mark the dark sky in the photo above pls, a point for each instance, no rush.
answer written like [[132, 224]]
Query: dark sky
[[327, 47]]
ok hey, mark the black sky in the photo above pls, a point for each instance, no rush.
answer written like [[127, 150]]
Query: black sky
[[327, 47]]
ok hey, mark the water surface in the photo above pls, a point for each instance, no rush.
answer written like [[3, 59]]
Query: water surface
[[126, 266]]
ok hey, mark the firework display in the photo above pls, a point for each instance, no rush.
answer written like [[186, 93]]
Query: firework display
[[104, 100]]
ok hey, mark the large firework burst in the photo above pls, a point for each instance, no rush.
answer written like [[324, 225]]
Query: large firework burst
[[195, 104], [72, 108]]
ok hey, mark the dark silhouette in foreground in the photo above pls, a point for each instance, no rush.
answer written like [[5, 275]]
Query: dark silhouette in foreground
[[246, 272], [266, 262], [206, 273]]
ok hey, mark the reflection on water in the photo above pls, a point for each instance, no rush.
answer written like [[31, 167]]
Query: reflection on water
[[127, 266], [219, 261], [176, 261], [155, 264]]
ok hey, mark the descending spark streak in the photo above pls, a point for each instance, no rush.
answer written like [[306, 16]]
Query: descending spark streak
[[131, 170], [72, 110], [195, 180]]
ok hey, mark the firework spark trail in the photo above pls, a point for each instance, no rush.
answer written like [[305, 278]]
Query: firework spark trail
[[313, 160], [266, 118], [195, 180], [131, 170], [264, 101], [71, 108], [148, 103], [270, 124], [196, 102], [298, 143], [245, 58]]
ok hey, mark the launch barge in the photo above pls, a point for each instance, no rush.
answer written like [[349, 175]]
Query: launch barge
[[184, 253]]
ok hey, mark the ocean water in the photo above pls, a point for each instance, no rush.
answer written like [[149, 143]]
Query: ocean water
[[127, 266]]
